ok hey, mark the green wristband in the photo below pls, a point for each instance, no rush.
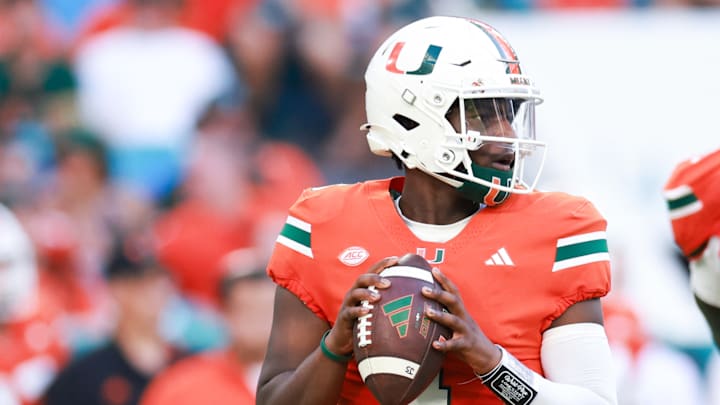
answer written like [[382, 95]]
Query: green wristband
[[330, 355]]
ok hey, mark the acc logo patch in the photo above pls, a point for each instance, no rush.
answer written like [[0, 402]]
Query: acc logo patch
[[353, 256]]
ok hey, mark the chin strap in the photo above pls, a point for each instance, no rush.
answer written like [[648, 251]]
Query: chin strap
[[485, 194]]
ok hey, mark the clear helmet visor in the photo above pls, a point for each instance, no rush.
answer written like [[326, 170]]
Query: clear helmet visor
[[503, 155]]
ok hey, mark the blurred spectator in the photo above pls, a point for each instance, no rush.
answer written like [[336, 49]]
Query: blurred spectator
[[230, 375], [72, 220], [117, 373], [143, 86], [33, 71], [22, 24], [302, 76], [36, 87], [344, 158], [212, 216], [236, 194], [298, 76], [31, 352]]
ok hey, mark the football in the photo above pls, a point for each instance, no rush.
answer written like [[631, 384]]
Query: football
[[393, 342]]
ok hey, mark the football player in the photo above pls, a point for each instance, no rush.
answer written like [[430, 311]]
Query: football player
[[693, 203], [447, 98]]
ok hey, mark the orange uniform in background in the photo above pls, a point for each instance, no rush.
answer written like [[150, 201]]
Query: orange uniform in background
[[516, 274], [194, 238], [209, 378], [213, 17], [691, 193]]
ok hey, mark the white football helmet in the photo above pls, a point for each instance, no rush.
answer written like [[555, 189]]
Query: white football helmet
[[18, 269], [440, 65]]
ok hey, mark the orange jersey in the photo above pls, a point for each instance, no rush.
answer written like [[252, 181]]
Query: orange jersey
[[518, 266], [693, 197], [206, 378]]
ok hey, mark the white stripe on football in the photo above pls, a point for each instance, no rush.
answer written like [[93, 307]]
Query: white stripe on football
[[408, 271], [387, 365]]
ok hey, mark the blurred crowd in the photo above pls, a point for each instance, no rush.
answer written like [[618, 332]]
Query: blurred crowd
[[149, 150]]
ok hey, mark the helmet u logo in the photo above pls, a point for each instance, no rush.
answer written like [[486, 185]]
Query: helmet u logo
[[495, 196], [426, 67]]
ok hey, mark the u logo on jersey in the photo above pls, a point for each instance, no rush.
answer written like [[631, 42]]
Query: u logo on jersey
[[426, 66], [439, 255]]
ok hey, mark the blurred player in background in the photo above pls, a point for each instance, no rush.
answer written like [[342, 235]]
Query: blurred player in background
[[447, 99], [693, 202], [118, 372], [229, 375]]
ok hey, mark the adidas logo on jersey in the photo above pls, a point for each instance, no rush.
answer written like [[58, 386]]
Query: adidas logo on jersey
[[500, 258]]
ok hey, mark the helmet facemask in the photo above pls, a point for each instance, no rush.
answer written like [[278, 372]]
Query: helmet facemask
[[497, 136]]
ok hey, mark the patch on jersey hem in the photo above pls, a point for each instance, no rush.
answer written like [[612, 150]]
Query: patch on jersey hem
[[581, 249]]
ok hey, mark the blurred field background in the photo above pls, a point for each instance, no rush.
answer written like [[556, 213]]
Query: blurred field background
[[197, 123]]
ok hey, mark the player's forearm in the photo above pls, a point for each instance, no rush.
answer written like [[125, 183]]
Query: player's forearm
[[578, 370], [552, 393], [516, 384], [578, 366], [317, 381]]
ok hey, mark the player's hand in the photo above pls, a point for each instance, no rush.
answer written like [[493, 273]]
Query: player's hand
[[468, 341], [340, 339]]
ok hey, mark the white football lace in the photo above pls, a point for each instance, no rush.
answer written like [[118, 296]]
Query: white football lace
[[364, 332]]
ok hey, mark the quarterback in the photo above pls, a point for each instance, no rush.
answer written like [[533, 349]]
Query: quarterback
[[522, 271], [693, 204]]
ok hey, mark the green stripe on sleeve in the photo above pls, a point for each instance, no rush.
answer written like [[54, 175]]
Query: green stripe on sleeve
[[296, 234], [681, 202], [581, 249]]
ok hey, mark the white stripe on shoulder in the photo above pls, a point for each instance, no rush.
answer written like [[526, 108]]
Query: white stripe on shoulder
[[572, 240], [387, 365], [678, 192], [408, 271], [300, 248], [298, 223], [579, 261]]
